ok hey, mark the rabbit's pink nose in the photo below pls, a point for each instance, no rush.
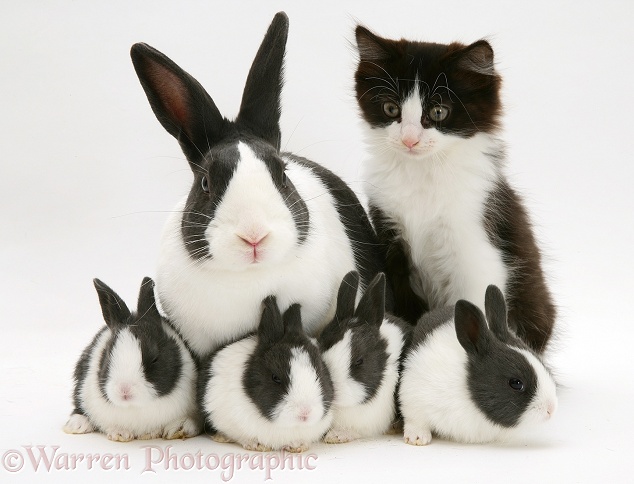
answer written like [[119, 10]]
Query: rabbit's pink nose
[[304, 413], [125, 391], [253, 240]]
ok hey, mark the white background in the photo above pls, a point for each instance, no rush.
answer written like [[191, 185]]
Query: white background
[[88, 176]]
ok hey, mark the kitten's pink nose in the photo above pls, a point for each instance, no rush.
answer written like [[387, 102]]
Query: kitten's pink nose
[[410, 135], [410, 142]]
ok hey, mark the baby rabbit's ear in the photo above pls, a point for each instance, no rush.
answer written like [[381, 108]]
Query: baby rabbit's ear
[[347, 296], [371, 307], [271, 328], [147, 302], [471, 328], [115, 312], [179, 102], [495, 308], [293, 319], [260, 108]]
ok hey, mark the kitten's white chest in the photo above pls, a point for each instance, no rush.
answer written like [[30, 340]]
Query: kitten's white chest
[[437, 204]]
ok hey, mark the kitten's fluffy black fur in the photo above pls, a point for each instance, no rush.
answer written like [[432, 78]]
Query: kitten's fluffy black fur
[[461, 79]]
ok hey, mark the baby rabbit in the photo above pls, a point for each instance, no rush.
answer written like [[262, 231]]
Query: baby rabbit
[[270, 390], [362, 349], [137, 379], [471, 383]]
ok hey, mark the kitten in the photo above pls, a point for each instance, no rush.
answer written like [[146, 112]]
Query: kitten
[[449, 221]]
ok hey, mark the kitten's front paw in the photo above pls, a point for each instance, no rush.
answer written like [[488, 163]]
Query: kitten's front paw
[[120, 435], [340, 436], [78, 424], [417, 436]]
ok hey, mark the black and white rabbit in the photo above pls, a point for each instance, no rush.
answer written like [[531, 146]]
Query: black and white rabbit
[[270, 390], [471, 383], [137, 379], [362, 349], [256, 222]]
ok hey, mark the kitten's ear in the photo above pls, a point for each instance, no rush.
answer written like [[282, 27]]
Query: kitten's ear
[[477, 57], [371, 47]]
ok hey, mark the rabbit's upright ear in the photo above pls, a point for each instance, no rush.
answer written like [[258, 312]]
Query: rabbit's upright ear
[[179, 102], [260, 108], [495, 309], [347, 295], [271, 328], [115, 312], [147, 302], [371, 308]]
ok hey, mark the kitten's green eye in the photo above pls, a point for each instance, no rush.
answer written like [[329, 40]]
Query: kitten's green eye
[[391, 109], [438, 113]]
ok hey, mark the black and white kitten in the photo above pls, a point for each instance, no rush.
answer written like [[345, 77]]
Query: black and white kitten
[[450, 223]]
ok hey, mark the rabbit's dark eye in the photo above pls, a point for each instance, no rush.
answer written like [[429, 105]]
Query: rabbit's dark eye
[[205, 184], [359, 362], [516, 384], [284, 180], [276, 379]]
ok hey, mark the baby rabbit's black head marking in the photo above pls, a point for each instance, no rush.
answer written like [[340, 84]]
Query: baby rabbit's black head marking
[[501, 380], [160, 359], [368, 349]]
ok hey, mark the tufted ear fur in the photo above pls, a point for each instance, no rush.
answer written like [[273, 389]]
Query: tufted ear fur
[[477, 57], [371, 47]]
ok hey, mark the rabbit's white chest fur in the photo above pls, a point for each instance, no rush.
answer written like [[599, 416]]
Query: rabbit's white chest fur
[[211, 306], [437, 204]]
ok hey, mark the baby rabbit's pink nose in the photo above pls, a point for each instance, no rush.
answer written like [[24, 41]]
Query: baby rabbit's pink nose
[[304, 413], [125, 391]]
